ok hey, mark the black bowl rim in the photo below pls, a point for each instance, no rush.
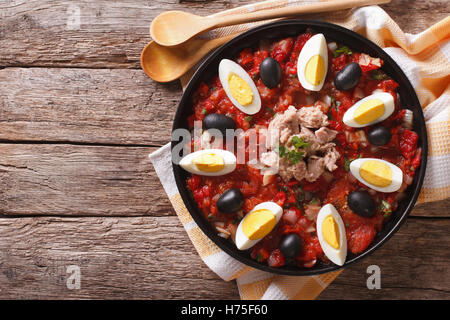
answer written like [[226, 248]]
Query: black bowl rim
[[206, 227]]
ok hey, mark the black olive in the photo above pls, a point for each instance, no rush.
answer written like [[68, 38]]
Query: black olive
[[218, 121], [379, 135], [270, 72], [348, 77], [230, 201], [290, 246], [361, 203]]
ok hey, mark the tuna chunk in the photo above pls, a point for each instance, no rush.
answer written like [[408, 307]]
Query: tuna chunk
[[330, 158], [307, 135], [270, 159], [312, 117], [319, 153], [316, 166], [325, 135], [282, 127], [287, 171]]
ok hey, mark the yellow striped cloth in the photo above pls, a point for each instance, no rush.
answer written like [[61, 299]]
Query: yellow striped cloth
[[425, 59]]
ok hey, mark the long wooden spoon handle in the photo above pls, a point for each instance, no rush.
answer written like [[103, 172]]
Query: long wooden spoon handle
[[322, 6]]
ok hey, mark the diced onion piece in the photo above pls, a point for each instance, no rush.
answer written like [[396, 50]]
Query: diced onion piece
[[206, 140], [332, 46], [358, 94], [232, 229], [255, 164], [365, 60], [327, 100], [311, 211], [223, 235], [310, 264], [224, 231], [290, 216], [267, 178], [407, 121], [407, 179], [219, 224]]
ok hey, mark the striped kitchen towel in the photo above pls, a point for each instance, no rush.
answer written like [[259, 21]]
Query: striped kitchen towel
[[425, 59]]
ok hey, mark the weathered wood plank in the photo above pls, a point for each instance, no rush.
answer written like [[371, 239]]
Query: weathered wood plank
[[432, 209], [62, 179], [148, 258], [40, 179], [112, 35], [152, 258], [89, 106]]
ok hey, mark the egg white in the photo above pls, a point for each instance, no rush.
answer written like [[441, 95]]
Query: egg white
[[389, 107], [229, 160], [226, 67], [336, 256], [397, 175], [242, 241], [316, 45]]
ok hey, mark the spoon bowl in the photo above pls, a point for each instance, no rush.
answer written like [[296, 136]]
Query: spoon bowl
[[165, 64], [170, 28]]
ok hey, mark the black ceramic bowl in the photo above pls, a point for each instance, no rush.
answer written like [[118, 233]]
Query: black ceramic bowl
[[332, 32]]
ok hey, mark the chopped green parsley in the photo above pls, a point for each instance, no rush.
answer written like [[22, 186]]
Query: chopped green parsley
[[299, 142], [344, 49]]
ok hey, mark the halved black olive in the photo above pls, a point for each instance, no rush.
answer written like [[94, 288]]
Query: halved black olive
[[290, 246], [379, 135], [230, 201], [348, 77], [270, 72], [361, 203], [218, 121]]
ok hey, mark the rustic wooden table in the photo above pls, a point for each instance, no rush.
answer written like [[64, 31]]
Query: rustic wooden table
[[78, 118]]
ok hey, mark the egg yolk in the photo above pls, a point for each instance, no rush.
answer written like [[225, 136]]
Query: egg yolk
[[240, 90], [315, 70], [330, 232], [209, 162], [369, 111], [376, 172], [258, 223]]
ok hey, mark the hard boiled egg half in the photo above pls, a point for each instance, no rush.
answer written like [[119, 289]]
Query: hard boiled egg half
[[312, 64], [370, 110], [209, 162], [331, 234], [239, 87], [377, 174], [257, 224]]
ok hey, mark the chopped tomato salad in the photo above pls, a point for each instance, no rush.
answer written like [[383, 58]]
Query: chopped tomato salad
[[302, 199]]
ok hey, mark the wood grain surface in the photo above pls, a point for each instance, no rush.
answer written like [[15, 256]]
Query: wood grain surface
[[95, 106], [152, 258], [112, 34], [78, 119], [39, 179]]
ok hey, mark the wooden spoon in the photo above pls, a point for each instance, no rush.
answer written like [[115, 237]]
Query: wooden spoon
[[175, 27], [164, 64]]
